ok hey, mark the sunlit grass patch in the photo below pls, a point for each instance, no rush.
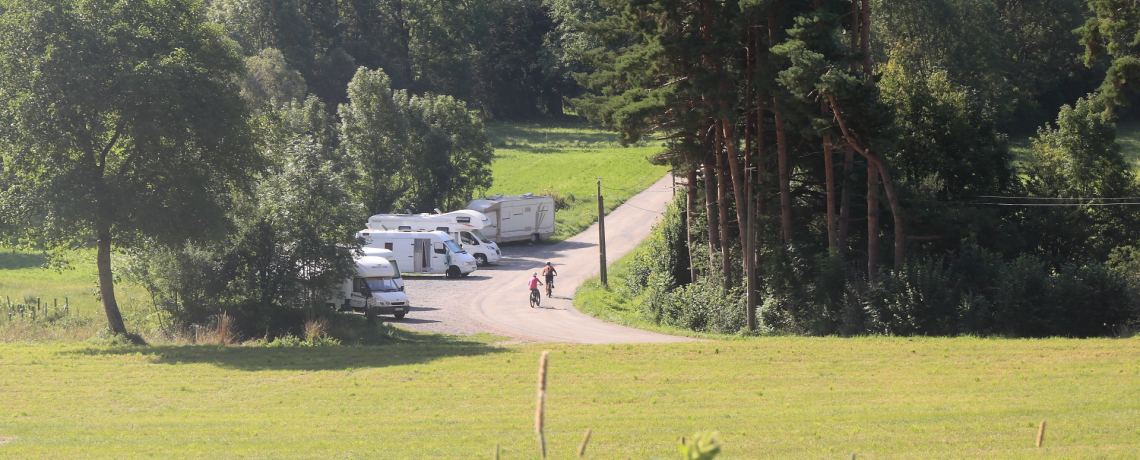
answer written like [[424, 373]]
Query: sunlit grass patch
[[23, 282], [448, 397], [565, 159]]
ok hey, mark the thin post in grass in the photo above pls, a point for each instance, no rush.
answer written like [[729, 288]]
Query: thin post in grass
[[540, 403], [1041, 434], [496, 451], [585, 440], [602, 236]]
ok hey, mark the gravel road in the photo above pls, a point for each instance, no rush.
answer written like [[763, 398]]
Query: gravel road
[[494, 298]]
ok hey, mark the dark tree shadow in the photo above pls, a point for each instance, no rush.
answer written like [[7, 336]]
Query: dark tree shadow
[[404, 349], [18, 260]]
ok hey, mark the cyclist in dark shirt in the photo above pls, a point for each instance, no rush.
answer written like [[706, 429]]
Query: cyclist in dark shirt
[[550, 273]]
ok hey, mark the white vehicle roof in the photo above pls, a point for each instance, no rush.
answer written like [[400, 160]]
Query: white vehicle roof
[[455, 220], [403, 235], [374, 267], [482, 204], [378, 252]]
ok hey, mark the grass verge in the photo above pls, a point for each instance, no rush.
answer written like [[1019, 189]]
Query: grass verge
[[614, 306], [563, 158], [444, 397]]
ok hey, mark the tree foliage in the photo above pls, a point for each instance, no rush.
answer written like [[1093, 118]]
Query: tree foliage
[[1114, 34], [123, 121], [412, 152]]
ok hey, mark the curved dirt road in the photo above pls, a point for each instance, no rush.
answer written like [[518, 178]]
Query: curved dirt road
[[495, 299]]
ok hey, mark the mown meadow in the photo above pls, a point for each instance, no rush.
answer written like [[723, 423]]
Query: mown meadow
[[441, 397]]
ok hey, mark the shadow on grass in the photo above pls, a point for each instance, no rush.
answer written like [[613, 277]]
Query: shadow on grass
[[572, 133], [405, 348], [18, 260]]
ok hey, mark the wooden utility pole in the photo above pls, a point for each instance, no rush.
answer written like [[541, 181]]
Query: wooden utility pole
[[602, 235]]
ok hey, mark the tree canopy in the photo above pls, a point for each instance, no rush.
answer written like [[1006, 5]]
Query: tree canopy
[[123, 120]]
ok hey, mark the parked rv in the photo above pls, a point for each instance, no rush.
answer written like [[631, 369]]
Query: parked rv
[[421, 252], [516, 217], [391, 257], [374, 287], [463, 226]]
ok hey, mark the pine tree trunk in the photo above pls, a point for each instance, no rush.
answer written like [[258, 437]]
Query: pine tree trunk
[[690, 211], [888, 184], [829, 179], [737, 169], [865, 40], [107, 282], [722, 181], [873, 255], [785, 176], [845, 200], [896, 213], [712, 213]]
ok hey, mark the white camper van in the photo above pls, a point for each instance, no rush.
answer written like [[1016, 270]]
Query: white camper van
[[516, 217], [464, 226], [391, 257], [373, 287], [422, 252]]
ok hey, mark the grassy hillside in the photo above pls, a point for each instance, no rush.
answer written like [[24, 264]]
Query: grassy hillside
[[563, 159], [442, 398]]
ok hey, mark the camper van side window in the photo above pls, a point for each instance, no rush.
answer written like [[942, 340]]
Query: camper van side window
[[388, 246], [468, 239], [440, 249]]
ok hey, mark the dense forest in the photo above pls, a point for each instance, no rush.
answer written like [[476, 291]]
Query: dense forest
[[800, 122], [848, 163]]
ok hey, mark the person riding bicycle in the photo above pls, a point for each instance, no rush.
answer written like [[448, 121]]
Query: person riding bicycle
[[550, 273], [534, 283]]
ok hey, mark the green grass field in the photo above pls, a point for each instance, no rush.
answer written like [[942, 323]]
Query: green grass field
[[22, 281], [435, 397], [564, 158]]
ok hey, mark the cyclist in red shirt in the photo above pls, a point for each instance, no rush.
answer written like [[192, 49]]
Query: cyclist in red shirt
[[534, 284]]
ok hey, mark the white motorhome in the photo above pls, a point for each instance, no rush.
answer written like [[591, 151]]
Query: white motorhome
[[464, 226], [391, 257], [516, 217], [374, 287], [421, 252]]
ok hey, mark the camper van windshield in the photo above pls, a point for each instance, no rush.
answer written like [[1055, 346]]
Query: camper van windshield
[[454, 247], [479, 234], [381, 284]]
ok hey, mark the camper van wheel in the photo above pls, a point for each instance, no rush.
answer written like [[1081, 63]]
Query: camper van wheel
[[453, 272], [480, 260], [534, 238]]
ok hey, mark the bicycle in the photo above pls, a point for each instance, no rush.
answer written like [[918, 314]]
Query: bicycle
[[550, 288], [535, 298]]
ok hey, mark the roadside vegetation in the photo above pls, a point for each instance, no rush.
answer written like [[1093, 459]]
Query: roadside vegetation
[[563, 159], [441, 397]]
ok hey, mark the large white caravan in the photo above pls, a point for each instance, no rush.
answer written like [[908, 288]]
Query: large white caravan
[[373, 286], [421, 252], [463, 226], [516, 217]]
